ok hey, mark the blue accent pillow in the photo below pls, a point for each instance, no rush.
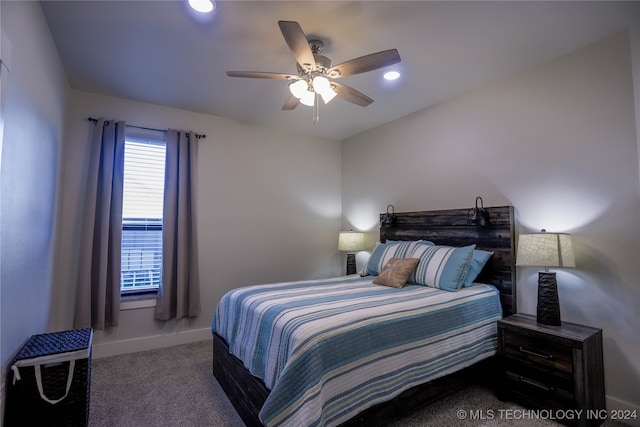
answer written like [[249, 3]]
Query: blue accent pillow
[[478, 262], [382, 253], [442, 267]]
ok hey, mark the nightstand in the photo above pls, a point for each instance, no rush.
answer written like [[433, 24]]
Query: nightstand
[[557, 368]]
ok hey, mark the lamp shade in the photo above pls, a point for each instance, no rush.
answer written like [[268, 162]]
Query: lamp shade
[[545, 250], [350, 241]]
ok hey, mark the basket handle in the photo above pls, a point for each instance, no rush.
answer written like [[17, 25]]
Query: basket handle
[[72, 365]]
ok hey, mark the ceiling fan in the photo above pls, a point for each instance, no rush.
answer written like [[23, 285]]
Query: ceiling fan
[[316, 74]]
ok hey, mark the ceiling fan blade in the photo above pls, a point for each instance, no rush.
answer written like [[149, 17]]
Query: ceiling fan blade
[[261, 75], [291, 103], [298, 43], [350, 94], [365, 63]]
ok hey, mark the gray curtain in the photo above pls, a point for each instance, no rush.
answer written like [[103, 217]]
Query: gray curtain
[[98, 294], [179, 295]]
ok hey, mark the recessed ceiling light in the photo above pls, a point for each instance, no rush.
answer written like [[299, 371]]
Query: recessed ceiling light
[[204, 6], [391, 75]]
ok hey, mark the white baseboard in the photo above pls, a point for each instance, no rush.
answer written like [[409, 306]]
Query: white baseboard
[[115, 348], [625, 412]]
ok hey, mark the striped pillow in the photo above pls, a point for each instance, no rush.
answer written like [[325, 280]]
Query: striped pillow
[[478, 261], [382, 253], [442, 267]]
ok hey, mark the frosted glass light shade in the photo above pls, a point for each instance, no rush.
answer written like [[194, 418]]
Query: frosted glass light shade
[[299, 88], [322, 87], [350, 241], [545, 250], [308, 98], [307, 93]]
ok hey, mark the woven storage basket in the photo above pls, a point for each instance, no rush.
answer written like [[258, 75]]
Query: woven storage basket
[[49, 381]]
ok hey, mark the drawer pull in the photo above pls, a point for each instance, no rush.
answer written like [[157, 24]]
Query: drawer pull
[[535, 384], [533, 353]]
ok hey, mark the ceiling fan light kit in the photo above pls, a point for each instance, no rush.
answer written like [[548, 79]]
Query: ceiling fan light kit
[[316, 73], [306, 91]]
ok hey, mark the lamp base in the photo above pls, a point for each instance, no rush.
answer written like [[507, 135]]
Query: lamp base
[[351, 263], [548, 302]]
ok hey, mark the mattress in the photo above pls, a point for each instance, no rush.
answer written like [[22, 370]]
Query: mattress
[[328, 349]]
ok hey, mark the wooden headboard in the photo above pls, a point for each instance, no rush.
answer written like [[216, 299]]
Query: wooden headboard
[[453, 227]]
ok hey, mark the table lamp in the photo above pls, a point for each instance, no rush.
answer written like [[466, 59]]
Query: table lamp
[[351, 242], [546, 250]]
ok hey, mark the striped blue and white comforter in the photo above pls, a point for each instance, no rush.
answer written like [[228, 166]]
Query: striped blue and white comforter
[[328, 349]]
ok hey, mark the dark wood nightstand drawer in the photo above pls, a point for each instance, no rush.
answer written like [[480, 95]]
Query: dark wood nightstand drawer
[[537, 351], [544, 375], [541, 390], [554, 367]]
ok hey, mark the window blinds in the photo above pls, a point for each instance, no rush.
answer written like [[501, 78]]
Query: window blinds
[[143, 194]]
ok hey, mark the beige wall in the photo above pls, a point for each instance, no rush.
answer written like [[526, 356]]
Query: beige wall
[[556, 141], [34, 109], [269, 206]]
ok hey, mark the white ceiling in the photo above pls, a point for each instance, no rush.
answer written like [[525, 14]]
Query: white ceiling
[[161, 52]]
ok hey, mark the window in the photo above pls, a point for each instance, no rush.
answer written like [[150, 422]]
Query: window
[[143, 194]]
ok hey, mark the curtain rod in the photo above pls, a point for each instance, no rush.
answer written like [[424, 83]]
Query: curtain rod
[[198, 135]]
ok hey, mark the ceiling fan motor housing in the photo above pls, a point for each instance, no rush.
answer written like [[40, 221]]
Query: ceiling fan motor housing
[[322, 62]]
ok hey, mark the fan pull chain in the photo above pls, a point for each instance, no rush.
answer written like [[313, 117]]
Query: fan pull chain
[[316, 108]]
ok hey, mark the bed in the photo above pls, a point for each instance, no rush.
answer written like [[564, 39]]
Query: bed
[[282, 379]]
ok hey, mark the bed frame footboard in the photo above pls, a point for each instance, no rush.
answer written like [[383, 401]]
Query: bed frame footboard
[[248, 393]]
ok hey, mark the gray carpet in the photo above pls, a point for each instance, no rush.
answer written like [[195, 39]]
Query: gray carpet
[[174, 386]]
